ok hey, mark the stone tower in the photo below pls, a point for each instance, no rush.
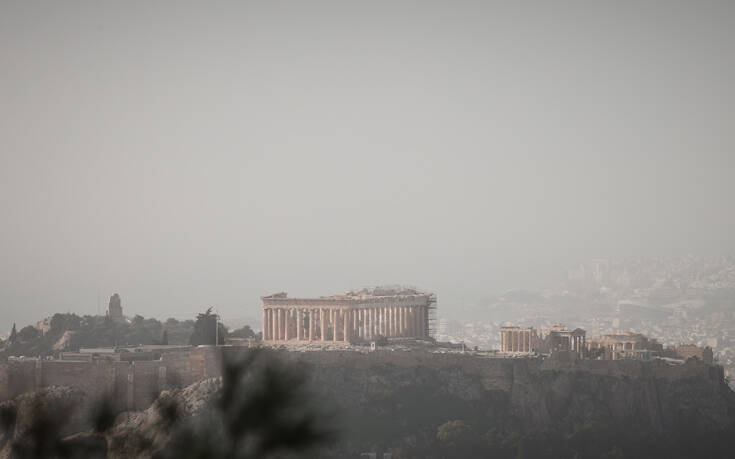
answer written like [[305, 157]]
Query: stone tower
[[114, 309]]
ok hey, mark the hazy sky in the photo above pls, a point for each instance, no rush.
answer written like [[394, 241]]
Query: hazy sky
[[188, 155]]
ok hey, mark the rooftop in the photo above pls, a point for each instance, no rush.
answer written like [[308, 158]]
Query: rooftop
[[364, 293]]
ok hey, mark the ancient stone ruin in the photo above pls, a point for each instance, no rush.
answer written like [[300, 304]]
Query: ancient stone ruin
[[358, 315]]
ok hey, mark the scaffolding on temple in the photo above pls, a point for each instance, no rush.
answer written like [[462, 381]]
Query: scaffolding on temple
[[431, 326]]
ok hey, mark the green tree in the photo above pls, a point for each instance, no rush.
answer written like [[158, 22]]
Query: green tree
[[205, 331], [28, 334], [244, 332], [13, 335]]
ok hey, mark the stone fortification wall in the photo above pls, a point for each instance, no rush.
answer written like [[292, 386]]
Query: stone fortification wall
[[92, 378], [134, 385], [19, 377], [131, 385], [502, 373], [149, 378], [178, 368]]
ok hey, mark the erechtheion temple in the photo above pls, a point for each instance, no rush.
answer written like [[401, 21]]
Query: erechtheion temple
[[360, 315], [556, 338]]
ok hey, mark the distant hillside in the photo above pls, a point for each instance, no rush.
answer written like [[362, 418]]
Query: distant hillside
[[69, 332]]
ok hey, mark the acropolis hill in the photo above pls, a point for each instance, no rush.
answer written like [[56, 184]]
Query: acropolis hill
[[370, 357], [396, 401]]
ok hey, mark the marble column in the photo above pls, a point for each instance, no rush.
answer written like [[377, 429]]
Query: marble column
[[422, 322], [322, 325], [311, 324], [299, 333], [346, 327], [512, 341], [523, 341], [286, 323], [272, 323], [390, 321], [282, 325], [265, 324], [333, 319]]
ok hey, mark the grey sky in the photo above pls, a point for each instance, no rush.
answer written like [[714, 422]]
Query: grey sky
[[187, 155]]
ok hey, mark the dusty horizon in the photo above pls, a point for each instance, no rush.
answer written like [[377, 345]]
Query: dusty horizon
[[188, 157]]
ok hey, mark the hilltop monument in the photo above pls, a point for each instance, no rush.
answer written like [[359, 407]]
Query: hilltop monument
[[114, 309]]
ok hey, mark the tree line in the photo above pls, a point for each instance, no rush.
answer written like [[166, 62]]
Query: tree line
[[70, 332]]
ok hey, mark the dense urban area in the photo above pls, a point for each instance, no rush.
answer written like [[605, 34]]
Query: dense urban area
[[683, 300]]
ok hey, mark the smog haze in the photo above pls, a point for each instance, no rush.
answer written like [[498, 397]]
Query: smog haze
[[192, 156]]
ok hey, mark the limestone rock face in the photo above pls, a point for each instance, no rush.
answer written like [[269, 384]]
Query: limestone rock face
[[141, 434], [532, 408], [66, 409], [511, 407]]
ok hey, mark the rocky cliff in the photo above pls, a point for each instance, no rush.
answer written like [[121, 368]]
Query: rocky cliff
[[423, 405], [532, 408]]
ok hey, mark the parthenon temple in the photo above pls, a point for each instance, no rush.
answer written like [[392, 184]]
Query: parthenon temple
[[362, 315], [517, 339]]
